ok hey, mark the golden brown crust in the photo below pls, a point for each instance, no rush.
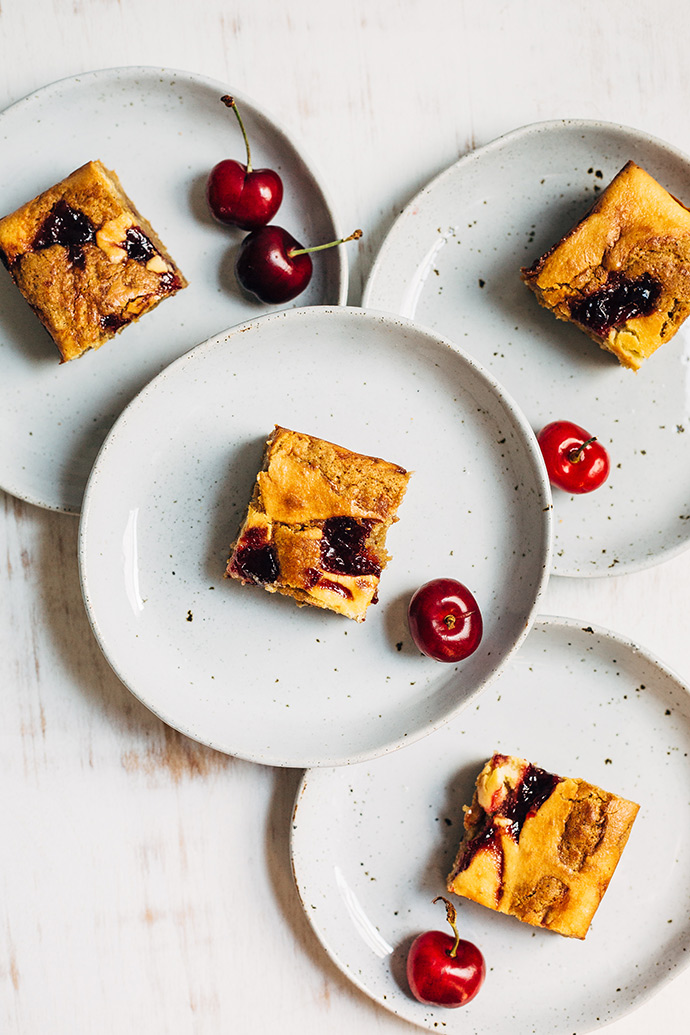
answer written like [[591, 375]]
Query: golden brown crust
[[84, 298], [309, 479], [635, 230], [309, 492], [554, 873]]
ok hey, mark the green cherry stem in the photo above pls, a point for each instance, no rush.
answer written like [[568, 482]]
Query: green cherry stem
[[451, 917], [320, 247], [577, 452], [229, 102]]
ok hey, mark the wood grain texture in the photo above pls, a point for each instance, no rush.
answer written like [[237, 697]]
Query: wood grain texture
[[145, 882]]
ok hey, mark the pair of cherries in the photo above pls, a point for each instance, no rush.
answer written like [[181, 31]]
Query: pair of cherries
[[271, 264]]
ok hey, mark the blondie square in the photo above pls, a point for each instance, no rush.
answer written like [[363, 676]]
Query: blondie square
[[316, 525], [85, 260], [622, 274], [540, 847]]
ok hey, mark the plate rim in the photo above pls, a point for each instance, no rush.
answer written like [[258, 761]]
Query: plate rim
[[11, 486], [507, 138], [544, 621], [543, 503], [641, 563]]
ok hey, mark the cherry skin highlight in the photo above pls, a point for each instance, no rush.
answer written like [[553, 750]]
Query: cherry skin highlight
[[445, 621], [239, 195], [575, 460]]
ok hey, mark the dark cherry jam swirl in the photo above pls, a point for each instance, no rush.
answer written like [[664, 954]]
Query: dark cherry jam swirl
[[313, 577], [255, 560], [138, 246], [170, 281], [335, 587], [310, 577], [619, 300], [113, 321], [528, 797], [521, 801], [67, 227], [342, 547]]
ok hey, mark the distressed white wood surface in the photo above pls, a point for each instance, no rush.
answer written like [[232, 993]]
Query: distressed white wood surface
[[144, 881]]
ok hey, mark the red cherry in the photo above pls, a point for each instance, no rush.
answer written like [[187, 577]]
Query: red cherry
[[239, 195], [443, 970], [575, 461], [445, 620], [275, 267]]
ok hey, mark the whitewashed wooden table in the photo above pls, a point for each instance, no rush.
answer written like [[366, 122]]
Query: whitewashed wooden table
[[145, 881]]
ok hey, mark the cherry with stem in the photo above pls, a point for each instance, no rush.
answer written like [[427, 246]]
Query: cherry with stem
[[444, 970], [445, 620], [274, 266], [239, 195], [576, 461]]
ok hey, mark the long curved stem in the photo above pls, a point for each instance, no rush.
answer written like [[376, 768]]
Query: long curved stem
[[451, 917], [229, 102], [320, 247]]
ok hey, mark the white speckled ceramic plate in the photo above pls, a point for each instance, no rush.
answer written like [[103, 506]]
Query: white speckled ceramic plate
[[452, 262], [162, 131], [249, 672], [372, 844]]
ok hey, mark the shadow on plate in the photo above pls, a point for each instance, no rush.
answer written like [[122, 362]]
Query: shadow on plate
[[22, 330]]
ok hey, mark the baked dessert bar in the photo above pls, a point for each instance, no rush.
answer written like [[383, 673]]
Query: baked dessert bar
[[85, 260], [540, 847], [316, 525], [623, 273]]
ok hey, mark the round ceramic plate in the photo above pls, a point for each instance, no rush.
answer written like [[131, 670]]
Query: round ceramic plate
[[452, 262], [161, 131], [249, 672], [372, 844]]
